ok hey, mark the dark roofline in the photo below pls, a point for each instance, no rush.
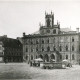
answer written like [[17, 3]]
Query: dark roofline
[[10, 42]]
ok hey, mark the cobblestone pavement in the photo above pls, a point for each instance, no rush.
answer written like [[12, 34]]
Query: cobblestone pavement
[[23, 71], [14, 71]]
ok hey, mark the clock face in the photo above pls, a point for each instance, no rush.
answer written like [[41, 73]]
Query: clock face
[[48, 31]]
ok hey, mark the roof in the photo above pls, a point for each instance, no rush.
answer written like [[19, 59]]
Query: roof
[[37, 32], [65, 30], [10, 42]]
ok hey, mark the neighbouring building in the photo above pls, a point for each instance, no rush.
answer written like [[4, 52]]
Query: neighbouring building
[[1, 52], [52, 42], [12, 49]]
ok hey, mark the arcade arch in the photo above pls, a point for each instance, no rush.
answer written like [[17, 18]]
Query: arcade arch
[[52, 56], [46, 58]]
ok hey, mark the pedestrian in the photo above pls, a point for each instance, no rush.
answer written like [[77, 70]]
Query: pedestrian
[[30, 63]]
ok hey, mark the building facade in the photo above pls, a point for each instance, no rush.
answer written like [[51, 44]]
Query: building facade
[[52, 42], [12, 49], [1, 52]]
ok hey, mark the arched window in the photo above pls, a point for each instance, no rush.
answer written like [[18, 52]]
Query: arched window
[[42, 49], [54, 48], [66, 56], [52, 56], [46, 57], [48, 48], [73, 57], [40, 56], [60, 48], [66, 48]]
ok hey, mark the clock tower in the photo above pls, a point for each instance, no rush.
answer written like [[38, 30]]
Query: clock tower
[[49, 28], [49, 20]]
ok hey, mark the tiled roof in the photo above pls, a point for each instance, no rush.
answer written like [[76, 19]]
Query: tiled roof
[[37, 32], [65, 30], [9, 42]]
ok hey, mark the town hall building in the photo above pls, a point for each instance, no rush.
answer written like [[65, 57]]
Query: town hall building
[[52, 42]]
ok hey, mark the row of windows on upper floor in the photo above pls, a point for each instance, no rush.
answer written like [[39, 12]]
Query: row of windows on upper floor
[[13, 54], [12, 49], [44, 41], [49, 49]]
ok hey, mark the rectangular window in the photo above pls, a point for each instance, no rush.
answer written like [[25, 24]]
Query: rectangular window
[[54, 31], [61, 57], [42, 49], [36, 49], [37, 42], [73, 57], [31, 50], [72, 48], [26, 49], [72, 39], [0, 47]]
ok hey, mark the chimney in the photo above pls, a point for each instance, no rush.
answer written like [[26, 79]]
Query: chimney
[[23, 34], [5, 36], [77, 30]]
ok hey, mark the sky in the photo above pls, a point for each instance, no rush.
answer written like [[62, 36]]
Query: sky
[[18, 16]]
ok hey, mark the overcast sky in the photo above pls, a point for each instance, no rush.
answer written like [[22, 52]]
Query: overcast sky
[[19, 16]]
